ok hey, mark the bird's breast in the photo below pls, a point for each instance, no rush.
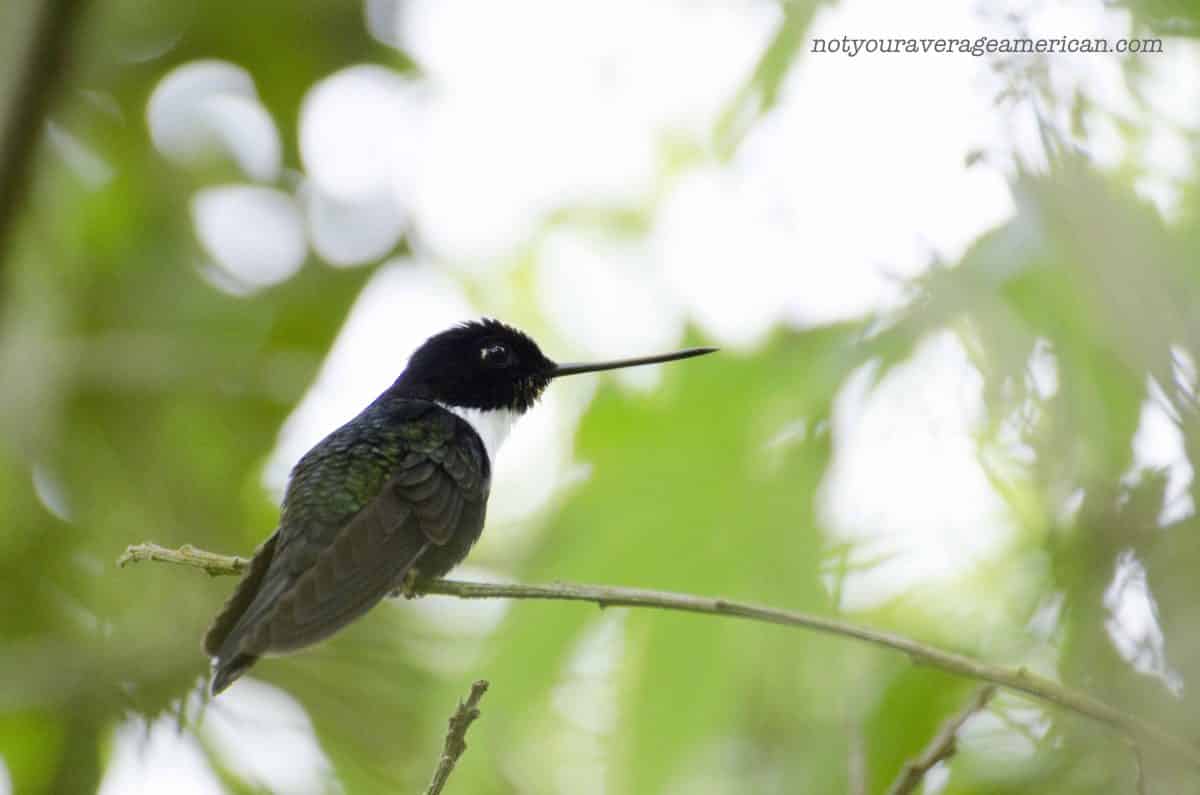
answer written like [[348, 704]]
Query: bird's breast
[[491, 425]]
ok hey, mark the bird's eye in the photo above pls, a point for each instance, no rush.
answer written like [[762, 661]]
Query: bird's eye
[[495, 355]]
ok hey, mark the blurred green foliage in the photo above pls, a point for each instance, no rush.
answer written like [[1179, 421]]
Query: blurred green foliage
[[148, 400]]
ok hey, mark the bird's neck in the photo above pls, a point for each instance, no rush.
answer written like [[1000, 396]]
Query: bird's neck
[[491, 425]]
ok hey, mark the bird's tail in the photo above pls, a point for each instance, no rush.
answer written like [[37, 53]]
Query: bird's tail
[[225, 672], [221, 641]]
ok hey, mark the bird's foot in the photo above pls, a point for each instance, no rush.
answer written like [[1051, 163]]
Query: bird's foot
[[408, 586]]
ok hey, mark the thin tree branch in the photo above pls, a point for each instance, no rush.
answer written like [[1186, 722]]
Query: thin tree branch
[[38, 75], [1017, 679], [856, 759], [941, 747], [456, 736], [1139, 782]]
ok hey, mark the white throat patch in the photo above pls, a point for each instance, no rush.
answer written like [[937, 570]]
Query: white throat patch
[[492, 425]]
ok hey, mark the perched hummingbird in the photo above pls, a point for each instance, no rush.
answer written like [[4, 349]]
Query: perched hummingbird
[[402, 487]]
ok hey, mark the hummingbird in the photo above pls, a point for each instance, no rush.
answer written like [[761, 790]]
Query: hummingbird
[[398, 492]]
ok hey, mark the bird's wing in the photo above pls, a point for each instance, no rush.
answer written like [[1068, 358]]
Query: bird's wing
[[324, 574]]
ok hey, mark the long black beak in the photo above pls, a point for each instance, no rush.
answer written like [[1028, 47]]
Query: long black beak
[[574, 368]]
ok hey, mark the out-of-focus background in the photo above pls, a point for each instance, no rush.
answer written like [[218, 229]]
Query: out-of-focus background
[[957, 397]]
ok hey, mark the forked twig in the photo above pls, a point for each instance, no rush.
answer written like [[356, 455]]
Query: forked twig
[[456, 737], [942, 746]]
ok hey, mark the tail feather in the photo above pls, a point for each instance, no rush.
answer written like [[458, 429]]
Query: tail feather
[[221, 640], [226, 672]]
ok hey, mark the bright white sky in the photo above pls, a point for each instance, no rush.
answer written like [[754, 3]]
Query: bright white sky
[[857, 180]]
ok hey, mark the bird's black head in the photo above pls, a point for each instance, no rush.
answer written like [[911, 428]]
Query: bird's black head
[[480, 365], [487, 365]]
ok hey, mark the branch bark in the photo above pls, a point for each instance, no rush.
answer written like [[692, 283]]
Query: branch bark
[[941, 747], [1019, 680], [456, 737]]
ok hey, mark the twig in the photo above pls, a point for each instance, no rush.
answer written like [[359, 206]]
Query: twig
[[1016, 679], [456, 736], [187, 555], [941, 747]]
